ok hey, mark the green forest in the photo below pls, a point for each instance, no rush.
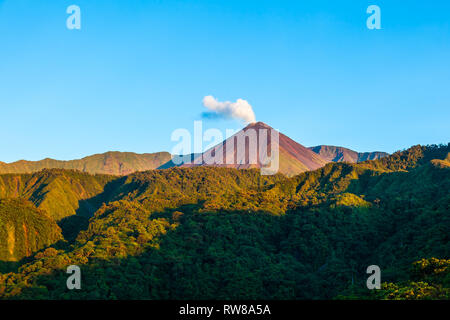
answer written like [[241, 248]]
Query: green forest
[[222, 233]]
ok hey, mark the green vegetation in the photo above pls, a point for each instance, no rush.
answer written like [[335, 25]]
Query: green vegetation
[[428, 279], [217, 233], [24, 229], [115, 163], [61, 193]]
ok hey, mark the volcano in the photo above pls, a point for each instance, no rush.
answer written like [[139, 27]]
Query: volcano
[[252, 147]]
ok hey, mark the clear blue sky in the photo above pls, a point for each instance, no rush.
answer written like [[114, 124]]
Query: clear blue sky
[[137, 70]]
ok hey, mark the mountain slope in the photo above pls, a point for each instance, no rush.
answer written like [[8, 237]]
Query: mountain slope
[[24, 229], [341, 154], [293, 157], [234, 234], [179, 160], [61, 193], [115, 163]]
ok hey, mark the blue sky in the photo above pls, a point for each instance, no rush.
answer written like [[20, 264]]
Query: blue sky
[[137, 70]]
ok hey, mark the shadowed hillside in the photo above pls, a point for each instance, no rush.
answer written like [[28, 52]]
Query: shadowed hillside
[[59, 192], [221, 233]]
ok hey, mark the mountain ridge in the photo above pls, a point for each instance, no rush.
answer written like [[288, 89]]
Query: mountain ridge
[[342, 154], [392, 210], [111, 162], [294, 158]]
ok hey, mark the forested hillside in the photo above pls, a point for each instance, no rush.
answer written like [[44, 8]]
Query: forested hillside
[[113, 162], [59, 192], [24, 229], [220, 233]]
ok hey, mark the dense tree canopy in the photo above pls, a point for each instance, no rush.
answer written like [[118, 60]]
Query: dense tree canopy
[[218, 233]]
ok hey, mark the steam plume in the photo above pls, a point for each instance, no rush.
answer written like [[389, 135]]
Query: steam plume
[[240, 109]]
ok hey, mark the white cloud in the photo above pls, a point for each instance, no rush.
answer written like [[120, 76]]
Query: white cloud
[[240, 109]]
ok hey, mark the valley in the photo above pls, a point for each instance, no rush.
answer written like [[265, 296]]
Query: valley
[[218, 233]]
